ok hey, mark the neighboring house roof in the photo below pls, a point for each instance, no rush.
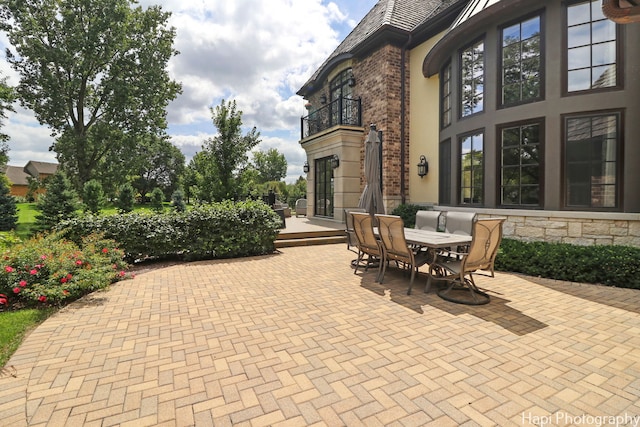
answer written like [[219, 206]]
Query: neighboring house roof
[[17, 175], [37, 169], [388, 21]]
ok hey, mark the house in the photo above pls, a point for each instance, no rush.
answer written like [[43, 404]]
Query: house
[[521, 109], [20, 176]]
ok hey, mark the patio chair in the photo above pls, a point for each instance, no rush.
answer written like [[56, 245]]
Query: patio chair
[[460, 222], [301, 207], [458, 270], [367, 243], [351, 235], [395, 247], [427, 220]]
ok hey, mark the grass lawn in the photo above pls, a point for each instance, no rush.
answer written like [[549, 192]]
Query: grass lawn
[[14, 325], [26, 218]]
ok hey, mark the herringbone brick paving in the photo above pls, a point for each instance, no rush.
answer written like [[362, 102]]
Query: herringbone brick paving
[[296, 339]]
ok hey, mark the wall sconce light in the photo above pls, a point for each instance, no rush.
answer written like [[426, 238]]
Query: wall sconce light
[[305, 167], [323, 99], [423, 167], [335, 161], [352, 81], [307, 105]]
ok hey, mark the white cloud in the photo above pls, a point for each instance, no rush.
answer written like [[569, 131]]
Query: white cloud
[[255, 52]]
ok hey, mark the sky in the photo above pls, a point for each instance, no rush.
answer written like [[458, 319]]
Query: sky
[[256, 52]]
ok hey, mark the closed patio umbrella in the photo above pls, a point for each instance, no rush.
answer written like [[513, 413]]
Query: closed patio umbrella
[[371, 198]]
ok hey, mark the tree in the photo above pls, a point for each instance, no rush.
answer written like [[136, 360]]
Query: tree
[[126, 198], [93, 196], [161, 165], [271, 165], [157, 198], [59, 202], [94, 71], [8, 207], [219, 167], [177, 200], [7, 97]]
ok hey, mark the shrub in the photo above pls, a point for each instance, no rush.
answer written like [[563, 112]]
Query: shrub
[[49, 269], [408, 213], [93, 196], [219, 230], [603, 264]]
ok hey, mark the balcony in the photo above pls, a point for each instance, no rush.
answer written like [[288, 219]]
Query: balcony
[[342, 111]]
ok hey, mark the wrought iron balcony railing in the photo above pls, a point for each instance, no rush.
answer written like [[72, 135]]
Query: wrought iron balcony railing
[[342, 111]]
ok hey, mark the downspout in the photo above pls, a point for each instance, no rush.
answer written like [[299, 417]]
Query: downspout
[[403, 116], [613, 10]]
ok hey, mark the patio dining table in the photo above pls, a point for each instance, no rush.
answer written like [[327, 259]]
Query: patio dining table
[[432, 241]]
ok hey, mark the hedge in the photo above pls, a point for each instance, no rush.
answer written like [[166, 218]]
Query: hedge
[[219, 230]]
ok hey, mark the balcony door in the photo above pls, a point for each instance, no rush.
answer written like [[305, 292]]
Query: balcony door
[[324, 188]]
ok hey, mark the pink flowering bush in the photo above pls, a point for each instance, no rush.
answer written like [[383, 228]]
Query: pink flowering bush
[[48, 269]]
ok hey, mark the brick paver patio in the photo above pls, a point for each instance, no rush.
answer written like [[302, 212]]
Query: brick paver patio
[[297, 339]]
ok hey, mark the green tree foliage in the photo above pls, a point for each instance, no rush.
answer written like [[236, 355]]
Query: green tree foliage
[[220, 163], [94, 71], [126, 198], [271, 165], [177, 201], [8, 208], [93, 196], [160, 165], [297, 190], [7, 97], [157, 198], [59, 202]]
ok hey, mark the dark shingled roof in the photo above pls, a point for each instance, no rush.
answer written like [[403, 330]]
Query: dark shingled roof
[[17, 175], [395, 16]]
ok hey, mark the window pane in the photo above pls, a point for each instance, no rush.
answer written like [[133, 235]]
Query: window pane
[[604, 76], [511, 156], [579, 57], [578, 14], [604, 31], [511, 35], [531, 27], [604, 53], [472, 76], [579, 80], [579, 36]]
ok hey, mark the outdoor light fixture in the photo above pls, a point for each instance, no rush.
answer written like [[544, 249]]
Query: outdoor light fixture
[[423, 167], [305, 168], [335, 161], [352, 81], [323, 99]]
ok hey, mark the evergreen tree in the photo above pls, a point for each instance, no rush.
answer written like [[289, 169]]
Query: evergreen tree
[[8, 208], [58, 203], [157, 198], [177, 200], [93, 196], [126, 199]]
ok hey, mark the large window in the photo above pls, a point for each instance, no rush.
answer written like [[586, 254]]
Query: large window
[[341, 87], [324, 187], [521, 62], [520, 169], [472, 79], [591, 48], [445, 91], [592, 151], [472, 168]]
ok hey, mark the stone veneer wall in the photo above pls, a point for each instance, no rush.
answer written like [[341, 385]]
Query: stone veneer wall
[[577, 228]]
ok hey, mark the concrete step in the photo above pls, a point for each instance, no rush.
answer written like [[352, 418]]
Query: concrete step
[[308, 238], [309, 241]]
